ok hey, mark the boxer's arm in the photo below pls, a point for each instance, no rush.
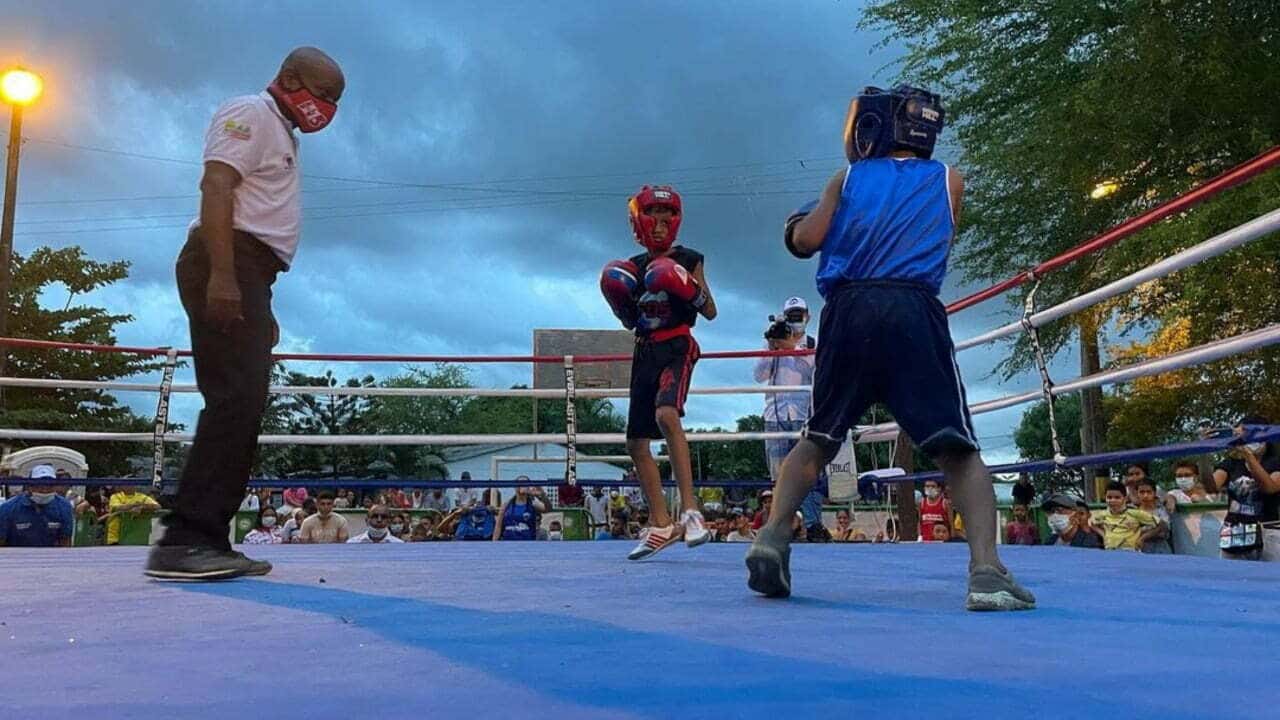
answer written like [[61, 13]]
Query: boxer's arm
[[812, 230], [955, 188], [709, 308]]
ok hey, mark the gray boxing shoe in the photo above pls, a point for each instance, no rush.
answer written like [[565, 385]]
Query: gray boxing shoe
[[991, 589], [769, 565]]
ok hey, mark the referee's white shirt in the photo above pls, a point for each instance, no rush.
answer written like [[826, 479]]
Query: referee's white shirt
[[251, 135]]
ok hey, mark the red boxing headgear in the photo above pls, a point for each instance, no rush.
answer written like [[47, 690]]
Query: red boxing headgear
[[643, 225], [307, 111]]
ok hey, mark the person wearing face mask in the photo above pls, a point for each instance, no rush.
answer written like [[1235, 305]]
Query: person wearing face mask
[[788, 412], [39, 517], [1250, 476], [246, 234], [400, 525], [267, 530], [1186, 475], [934, 510], [521, 514], [378, 521], [1068, 519]]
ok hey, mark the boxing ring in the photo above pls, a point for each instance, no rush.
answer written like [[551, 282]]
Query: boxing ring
[[573, 630]]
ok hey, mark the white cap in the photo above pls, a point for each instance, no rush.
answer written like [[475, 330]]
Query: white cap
[[43, 471], [795, 302]]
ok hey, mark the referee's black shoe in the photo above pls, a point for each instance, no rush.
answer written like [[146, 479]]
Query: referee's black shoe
[[197, 563]]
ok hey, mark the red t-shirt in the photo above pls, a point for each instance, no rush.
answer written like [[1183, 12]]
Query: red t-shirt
[[932, 512], [1021, 533], [569, 495]]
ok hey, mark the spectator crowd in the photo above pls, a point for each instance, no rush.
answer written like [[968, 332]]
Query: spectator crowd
[[1137, 516]]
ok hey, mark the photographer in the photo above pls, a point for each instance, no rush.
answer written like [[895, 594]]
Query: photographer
[[789, 411]]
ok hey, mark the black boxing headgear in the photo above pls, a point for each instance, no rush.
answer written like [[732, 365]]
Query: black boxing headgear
[[880, 122]]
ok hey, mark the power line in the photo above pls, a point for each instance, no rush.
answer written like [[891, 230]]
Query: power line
[[465, 186], [760, 181]]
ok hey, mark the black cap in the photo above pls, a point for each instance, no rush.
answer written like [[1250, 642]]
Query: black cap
[[1063, 500]]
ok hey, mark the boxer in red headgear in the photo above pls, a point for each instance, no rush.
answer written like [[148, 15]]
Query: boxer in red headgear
[[660, 293]]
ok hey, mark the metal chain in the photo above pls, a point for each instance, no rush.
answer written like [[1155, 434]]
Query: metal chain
[[1046, 382]]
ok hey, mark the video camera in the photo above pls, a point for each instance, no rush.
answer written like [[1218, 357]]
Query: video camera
[[779, 329]]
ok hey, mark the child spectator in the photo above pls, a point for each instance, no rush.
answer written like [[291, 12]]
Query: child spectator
[[1134, 473], [741, 531], [1121, 525], [617, 529], [1186, 475], [843, 531], [942, 533], [265, 530], [1020, 530], [762, 515], [1157, 540], [935, 509], [131, 501]]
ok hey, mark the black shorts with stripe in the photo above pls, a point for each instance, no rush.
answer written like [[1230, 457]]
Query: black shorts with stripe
[[888, 341], [660, 375]]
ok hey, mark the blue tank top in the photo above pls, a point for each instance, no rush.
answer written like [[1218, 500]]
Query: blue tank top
[[520, 522], [893, 223]]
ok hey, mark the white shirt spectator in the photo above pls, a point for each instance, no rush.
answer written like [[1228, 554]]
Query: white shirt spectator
[[250, 502], [251, 135], [598, 508], [736, 536], [258, 536], [467, 497], [788, 370], [364, 538]]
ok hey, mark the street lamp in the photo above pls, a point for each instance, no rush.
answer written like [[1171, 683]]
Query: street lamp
[[1103, 189], [18, 88]]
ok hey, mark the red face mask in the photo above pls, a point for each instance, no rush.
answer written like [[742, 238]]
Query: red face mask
[[307, 111]]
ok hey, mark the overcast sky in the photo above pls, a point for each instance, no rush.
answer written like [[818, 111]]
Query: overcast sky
[[539, 118]]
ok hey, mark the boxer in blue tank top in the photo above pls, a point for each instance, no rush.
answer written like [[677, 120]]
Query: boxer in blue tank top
[[883, 230]]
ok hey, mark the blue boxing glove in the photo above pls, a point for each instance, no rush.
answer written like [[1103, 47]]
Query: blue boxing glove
[[789, 229]]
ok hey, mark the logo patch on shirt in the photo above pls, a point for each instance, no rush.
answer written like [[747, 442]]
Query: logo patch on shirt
[[237, 130]]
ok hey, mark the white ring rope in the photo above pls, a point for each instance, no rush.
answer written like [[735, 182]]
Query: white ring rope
[[553, 393], [1206, 353], [1229, 240], [1200, 355]]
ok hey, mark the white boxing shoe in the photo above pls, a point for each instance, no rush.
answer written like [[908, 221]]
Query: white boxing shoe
[[655, 539], [695, 528]]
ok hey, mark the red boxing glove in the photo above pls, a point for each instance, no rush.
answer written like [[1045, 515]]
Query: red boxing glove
[[667, 275], [619, 283]]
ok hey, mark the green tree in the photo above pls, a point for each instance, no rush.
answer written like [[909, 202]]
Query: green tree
[[1047, 100], [736, 460], [43, 304], [318, 414], [1033, 436]]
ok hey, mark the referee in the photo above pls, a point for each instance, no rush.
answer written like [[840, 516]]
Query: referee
[[246, 234]]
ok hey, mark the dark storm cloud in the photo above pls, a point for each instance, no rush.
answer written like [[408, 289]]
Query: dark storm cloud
[[502, 97]]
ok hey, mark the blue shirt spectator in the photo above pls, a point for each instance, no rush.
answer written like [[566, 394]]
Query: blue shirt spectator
[[39, 517], [476, 524]]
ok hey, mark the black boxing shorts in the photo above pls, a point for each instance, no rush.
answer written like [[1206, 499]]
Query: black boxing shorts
[[660, 373], [888, 341]]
